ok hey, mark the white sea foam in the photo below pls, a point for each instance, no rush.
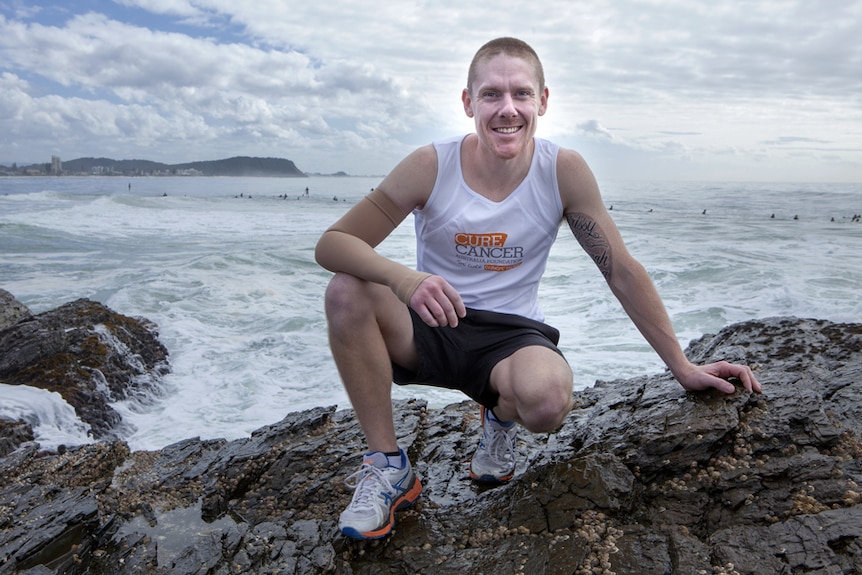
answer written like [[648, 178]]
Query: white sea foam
[[232, 284], [54, 421]]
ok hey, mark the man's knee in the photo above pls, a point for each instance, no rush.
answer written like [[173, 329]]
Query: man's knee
[[535, 386], [339, 289], [548, 413], [346, 294], [345, 305], [351, 303]]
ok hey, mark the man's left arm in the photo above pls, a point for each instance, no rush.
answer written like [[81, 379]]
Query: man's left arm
[[599, 236]]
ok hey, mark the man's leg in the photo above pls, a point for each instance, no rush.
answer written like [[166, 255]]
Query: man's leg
[[368, 329], [535, 387]]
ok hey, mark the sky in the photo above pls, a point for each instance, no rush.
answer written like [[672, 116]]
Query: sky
[[702, 90]]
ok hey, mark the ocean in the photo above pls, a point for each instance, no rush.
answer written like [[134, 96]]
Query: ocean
[[225, 268]]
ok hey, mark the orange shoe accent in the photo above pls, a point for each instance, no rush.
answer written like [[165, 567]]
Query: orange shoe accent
[[406, 500]]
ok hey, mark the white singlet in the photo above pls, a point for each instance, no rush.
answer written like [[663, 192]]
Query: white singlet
[[493, 253]]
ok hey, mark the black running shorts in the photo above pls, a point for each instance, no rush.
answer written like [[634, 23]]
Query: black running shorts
[[462, 357]]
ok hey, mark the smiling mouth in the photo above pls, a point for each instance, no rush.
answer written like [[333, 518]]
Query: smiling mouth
[[507, 130]]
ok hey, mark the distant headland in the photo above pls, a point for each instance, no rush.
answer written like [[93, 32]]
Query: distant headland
[[240, 166]]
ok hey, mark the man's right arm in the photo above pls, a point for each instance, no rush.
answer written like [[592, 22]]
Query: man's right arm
[[348, 245]]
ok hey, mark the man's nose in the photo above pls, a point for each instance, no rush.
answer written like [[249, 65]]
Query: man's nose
[[507, 106]]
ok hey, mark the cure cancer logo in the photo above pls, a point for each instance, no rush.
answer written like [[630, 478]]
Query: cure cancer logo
[[487, 251]]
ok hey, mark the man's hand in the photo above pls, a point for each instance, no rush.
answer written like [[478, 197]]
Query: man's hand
[[437, 302], [715, 375]]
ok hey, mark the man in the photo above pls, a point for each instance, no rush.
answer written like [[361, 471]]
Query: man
[[487, 208]]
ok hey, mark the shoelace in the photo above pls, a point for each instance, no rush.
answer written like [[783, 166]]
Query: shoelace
[[368, 482], [500, 443]]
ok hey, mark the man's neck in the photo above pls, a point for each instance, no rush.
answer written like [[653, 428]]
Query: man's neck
[[489, 175]]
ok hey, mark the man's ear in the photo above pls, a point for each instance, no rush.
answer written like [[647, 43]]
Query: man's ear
[[468, 103], [543, 102]]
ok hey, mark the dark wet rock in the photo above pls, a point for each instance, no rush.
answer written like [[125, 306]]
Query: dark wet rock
[[11, 310], [643, 478], [87, 353], [13, 434]]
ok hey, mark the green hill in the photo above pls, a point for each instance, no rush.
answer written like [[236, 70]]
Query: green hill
[[236, 166]]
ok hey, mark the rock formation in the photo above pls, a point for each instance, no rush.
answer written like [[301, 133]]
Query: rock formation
[[643, 478], [87, 353]]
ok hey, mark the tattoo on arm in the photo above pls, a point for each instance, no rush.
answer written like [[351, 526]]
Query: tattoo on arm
[[591, 238]]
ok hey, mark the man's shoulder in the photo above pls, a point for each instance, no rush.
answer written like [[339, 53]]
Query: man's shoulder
[[451, 140], [423, 157], [410, 183], [569, 158], [563, 153], [575, 178]]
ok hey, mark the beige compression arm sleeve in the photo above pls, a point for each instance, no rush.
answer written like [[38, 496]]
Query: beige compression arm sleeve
[[379, 198], [348, 246]]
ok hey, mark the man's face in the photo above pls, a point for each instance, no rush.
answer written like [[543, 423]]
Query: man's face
[[506, 102]]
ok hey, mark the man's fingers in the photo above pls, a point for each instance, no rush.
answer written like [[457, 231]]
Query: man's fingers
[[750, 381], [436, 315], [438, 303], [455, 299], [743, 373], [716, 375]]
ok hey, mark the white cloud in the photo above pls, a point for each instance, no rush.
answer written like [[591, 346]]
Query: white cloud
[[349, 86], [594, 128], [171, 7]]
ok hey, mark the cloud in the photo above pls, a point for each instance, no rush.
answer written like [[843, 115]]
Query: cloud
[[182, 8], [345, 86], [594, 128], [783, 140], [131, 82]]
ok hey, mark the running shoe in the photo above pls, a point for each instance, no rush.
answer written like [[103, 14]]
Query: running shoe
[[494, 460], [379, 491]]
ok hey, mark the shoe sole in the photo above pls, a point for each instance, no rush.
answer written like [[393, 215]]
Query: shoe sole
[[403, 502], [491, 478]]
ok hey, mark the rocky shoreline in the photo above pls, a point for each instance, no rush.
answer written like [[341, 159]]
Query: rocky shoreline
[[643, 478]]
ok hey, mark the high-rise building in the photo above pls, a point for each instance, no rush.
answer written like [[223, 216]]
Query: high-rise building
[[56, 165]]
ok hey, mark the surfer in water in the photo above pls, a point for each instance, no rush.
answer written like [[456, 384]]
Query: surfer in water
[[487, 207]]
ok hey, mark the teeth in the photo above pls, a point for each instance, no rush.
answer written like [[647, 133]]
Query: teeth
[[507, 130]]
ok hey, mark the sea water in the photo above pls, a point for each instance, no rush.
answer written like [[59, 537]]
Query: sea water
[[225, 268]]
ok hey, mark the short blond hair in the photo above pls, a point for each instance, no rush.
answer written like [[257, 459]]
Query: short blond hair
[[511, 47]]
